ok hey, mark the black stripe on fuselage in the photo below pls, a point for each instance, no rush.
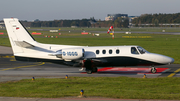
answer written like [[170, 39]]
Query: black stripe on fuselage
[[110, 61], [126, 61]]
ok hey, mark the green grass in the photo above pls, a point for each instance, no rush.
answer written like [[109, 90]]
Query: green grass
[[111, 87], [5, 42]]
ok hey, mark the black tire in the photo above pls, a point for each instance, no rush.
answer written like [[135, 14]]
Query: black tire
[[89, 71], [153, 71], [95, 69]]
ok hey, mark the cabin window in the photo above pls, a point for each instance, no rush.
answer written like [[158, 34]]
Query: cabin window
[[134, 50], [117, 51], [97, 51], [104, 51], [110, 51]]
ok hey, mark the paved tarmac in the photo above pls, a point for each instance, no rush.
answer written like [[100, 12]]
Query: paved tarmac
[[12, 70]]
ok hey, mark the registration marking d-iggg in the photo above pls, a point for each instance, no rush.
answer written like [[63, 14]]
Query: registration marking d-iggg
[[70, 54]]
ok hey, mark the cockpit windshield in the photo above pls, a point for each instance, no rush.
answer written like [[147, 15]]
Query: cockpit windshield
[[141, 50]]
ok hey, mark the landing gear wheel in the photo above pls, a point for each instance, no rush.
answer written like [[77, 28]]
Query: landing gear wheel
[[94, 69], [153, 70], [81, 69], [89, 71]]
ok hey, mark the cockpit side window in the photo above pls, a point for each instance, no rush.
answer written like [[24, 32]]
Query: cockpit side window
[[134, 50]]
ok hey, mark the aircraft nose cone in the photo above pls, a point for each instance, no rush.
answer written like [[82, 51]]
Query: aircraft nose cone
[[168, 60], [162, 59], [171, 60]]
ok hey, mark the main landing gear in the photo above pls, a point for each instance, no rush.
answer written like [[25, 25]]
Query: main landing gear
[[153, 69], [93, 69], [88, 64]]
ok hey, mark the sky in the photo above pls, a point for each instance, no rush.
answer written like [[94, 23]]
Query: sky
[[46, 10]]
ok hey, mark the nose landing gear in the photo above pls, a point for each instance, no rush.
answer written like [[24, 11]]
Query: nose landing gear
[[153, 70]]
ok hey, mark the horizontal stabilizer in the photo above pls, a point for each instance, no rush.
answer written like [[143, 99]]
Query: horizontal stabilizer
[[24, 44]]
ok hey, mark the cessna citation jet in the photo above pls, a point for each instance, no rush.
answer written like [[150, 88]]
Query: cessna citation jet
[[25, 48]]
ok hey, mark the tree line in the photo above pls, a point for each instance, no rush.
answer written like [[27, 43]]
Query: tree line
[[157, 19], [120, 22]]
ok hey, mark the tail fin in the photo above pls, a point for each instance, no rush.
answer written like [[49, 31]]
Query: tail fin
[[18, 35]]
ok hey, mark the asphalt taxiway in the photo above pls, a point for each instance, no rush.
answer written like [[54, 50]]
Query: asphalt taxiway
[[10, 69]]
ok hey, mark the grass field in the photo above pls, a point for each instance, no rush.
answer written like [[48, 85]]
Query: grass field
[[153, 29], [111, 87]]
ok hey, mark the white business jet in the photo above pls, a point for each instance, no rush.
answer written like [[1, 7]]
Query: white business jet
[[25, 48]]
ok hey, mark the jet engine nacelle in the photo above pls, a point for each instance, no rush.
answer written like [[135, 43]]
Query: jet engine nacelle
[[71, 54]]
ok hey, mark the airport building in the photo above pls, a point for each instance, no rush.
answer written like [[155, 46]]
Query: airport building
[[115, 16], [2, 25]]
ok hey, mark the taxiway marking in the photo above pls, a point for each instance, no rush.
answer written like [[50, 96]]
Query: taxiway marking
[[7, 56], [24, 66], [172, 74]]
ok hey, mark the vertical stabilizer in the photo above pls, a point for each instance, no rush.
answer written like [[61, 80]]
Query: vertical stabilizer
[[17, 33]]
